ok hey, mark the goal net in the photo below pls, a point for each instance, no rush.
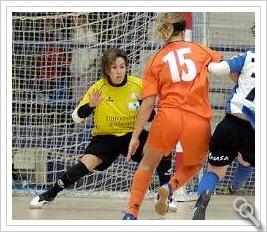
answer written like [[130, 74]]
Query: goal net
[[55, 58]]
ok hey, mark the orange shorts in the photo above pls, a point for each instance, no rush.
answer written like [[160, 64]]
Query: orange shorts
[[173, 125]]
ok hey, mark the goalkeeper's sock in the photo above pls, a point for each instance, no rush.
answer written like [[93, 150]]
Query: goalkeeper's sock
[[73, 174], [208, 182], [140, 184], [164, 170], [241, 174], [55, 190]]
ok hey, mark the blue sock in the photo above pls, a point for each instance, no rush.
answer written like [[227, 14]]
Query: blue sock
[[242, 173], [208, 182]]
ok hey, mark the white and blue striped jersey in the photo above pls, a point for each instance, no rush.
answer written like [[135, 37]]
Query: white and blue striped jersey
[[242, 98]]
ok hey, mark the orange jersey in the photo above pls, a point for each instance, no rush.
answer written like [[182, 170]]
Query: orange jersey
[[178, 75]]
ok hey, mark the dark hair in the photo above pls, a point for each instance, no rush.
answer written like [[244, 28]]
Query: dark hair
[[179, 26], [109, 57]]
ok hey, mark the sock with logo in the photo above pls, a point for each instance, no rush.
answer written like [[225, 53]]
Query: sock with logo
[[164, 170], [73, 174], [241, 174], [208, 182], [140, 184]]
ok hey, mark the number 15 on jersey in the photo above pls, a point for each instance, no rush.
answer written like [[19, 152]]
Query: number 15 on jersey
[[175, 60]]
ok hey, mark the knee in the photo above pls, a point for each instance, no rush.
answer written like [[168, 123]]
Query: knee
[[241, 161], [148, 164], [218, 170], [192, 170], [74, 173], [90, 161]]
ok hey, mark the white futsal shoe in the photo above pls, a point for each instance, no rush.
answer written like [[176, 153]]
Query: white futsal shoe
[[172, 205], [182, 195], [39, 201]]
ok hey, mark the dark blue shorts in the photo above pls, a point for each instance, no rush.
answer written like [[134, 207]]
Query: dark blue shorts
[[232, 135]]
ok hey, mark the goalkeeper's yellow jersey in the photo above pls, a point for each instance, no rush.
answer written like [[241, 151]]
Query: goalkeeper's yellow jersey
[[117, 112]]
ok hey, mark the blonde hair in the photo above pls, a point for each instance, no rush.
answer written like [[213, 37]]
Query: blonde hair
[[166, 23]]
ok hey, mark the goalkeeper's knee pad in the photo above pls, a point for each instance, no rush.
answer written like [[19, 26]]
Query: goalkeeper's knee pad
[[73, 174]]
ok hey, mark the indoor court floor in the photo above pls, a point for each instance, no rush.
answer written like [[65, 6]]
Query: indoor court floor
[[77, 208]]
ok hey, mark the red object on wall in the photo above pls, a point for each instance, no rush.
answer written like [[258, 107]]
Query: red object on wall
[[188, 19], [188, 31], [50, 62]]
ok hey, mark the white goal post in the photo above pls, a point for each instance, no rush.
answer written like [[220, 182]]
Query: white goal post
[[55, 58]]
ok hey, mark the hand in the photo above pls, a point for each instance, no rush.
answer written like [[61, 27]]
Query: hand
[[95, 98], [133, 145]]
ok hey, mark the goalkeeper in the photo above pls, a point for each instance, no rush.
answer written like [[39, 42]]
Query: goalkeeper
[[114, 102], [234, 136]]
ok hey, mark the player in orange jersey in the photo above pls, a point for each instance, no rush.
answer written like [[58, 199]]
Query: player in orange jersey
[[178, 75]]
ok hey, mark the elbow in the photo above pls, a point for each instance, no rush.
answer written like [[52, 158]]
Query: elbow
[[150, 101], [151, 106]]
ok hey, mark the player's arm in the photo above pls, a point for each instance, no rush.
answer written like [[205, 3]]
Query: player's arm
[[81, 113], [86, 106], [150, 119], [149, 96], [232, 65], [219, 69], [144, 115]]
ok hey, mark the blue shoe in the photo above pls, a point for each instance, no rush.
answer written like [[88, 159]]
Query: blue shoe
[[129, 216]]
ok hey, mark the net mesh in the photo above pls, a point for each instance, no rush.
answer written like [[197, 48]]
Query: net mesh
[[55, 58]]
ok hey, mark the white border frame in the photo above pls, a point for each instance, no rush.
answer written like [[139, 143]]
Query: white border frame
[[7, 7]]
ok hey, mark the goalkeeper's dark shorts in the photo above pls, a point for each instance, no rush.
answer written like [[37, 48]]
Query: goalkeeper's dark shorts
[[232, 135], [109, 147]]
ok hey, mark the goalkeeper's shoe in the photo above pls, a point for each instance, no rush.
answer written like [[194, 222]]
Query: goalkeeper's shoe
[[164, 195], [232, 190], [128, 216], [201, 205], [172, 206], [39, 201], [182, 195]]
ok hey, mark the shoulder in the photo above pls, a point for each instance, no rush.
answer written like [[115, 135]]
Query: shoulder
[[216, 55], [99, 84], [134, 80]]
